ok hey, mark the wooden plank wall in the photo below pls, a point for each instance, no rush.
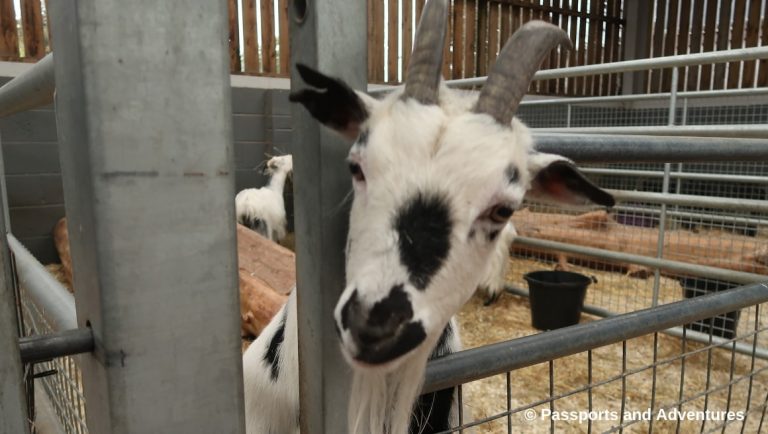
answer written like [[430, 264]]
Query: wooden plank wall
[[695, 26], [477, 30]]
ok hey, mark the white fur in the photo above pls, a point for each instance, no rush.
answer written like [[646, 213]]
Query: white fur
[[266, 203], [495, 276], [272, 406]]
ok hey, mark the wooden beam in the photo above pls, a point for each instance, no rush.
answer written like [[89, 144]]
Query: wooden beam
[[9, 42], [234, 37]]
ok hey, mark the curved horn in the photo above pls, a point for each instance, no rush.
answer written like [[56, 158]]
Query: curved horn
[[518, 61], [423, 75]]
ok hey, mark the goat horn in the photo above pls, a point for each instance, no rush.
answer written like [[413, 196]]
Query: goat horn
[[423, 75], [518, 61]]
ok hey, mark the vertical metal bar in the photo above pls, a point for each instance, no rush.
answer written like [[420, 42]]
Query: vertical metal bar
[[509, 403], [589, 390], [665, 190], [673, 97], [623, 385], [683, 352], [568, 117], [13, 408], [755, 335], [330, 36], [762, 414], [730, 382], [708, 382], [144, 125], [460, 392], [653, 384], [551, 395]]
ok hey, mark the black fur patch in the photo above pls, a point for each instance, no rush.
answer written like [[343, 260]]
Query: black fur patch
[[256, 224], [424, 226], [336, 105], [432, 412], [442, 349], [386, 316], [471, 234], [351, 301], [493, 234], [408, 338], [272, 356], [513, 175]]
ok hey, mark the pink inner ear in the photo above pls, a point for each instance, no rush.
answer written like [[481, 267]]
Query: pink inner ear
[[557, 190], [351, 131]]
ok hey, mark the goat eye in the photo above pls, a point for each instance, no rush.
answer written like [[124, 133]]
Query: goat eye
[[356, 171], [500, 213]]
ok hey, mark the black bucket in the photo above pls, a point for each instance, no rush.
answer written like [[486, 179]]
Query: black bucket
[[723, 325], [556, 298]]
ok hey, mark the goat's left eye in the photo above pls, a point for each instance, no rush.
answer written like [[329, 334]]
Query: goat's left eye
[[500, 213], [356, 171]]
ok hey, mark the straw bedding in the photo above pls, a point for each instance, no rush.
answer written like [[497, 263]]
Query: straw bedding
[[510, 318]]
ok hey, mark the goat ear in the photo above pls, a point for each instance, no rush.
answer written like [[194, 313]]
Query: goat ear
[[335, 104], [556, 179]]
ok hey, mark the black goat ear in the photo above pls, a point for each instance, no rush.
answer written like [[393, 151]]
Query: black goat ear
[[335, 104]]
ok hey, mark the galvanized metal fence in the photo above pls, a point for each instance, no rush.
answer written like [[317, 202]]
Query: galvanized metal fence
[[650, 370], [621, 374]]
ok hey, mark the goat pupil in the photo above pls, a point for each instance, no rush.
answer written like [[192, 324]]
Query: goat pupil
[[501, 213]]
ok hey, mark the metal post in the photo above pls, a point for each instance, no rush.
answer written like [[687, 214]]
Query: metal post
[[13, 408], [143, 117], [568, 122], [330, 36], [665, 190]]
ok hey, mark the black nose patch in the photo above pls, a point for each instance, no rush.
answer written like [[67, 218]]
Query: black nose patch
[[385, 332], [423, 226]]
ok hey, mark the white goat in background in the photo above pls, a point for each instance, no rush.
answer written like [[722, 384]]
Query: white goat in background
[[437, 173], [263, 209]]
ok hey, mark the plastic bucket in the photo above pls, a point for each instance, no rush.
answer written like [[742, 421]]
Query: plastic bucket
[[723, 325], [556, 298]]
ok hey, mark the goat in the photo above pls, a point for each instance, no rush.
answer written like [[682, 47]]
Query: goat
[[263, 209], [436, 174], [494, 279]]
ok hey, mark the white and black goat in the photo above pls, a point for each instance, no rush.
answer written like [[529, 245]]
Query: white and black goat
[[436, 174], [263, 209]]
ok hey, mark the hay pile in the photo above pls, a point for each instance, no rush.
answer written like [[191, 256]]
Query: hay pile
[[510, 318]]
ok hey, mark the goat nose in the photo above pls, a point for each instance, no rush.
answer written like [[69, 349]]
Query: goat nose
[[386, 330]]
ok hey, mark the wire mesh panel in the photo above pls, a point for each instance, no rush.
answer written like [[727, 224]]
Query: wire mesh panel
[[652, 383], [60, 378]]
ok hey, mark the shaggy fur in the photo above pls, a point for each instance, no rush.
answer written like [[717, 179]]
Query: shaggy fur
[[494, 279], [263, 209]]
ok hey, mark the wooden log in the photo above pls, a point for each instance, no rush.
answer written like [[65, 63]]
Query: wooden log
[[61, 239], [266, 274], [263, 259], [258, 304], [599, 230]]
